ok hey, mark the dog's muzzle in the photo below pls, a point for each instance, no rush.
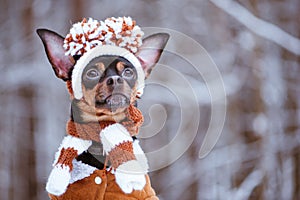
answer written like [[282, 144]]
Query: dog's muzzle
[[113, 102], [117, 101]]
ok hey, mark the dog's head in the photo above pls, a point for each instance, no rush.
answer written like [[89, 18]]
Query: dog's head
[[108, 82]]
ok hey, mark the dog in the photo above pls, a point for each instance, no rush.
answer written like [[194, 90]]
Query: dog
[[109, 89]]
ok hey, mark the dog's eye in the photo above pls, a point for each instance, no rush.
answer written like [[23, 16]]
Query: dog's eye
[[127, 73], [92, 74]]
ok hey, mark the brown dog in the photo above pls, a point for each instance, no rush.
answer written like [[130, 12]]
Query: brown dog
[[109, 89]]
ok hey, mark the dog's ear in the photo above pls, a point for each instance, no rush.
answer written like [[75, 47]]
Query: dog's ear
[[150, 51], [53, 43]]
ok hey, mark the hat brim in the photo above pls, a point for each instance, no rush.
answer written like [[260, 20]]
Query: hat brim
[[100, 51]]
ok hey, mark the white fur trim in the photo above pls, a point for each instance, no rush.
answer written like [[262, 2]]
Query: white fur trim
[[130, 176], [80, 171], [73, 142], [58, 180], [105, 50], [140, 155], [113, 135]]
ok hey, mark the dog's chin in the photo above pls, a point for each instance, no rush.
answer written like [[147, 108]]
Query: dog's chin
[[115, 103]]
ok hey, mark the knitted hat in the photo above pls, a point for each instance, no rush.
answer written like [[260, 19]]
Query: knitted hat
[[114, 36]]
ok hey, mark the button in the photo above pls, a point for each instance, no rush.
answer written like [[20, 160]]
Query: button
[[98, 180]]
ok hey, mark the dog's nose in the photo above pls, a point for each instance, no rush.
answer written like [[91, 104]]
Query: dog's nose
[[114, 80]]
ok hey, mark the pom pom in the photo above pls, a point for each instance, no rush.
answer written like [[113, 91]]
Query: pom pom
[[87, 34]]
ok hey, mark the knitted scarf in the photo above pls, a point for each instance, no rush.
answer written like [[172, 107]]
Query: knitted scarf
[[90, 131]]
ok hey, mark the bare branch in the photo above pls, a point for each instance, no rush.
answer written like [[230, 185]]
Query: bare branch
[[262, 28], [249, 184]]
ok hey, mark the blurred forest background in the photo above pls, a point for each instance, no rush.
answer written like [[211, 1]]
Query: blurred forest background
[[258, 153]]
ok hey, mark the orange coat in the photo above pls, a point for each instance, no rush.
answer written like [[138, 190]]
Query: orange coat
[[101, 185]]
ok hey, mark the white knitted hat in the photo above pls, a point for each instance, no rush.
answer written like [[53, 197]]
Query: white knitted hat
[[91, 38]]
